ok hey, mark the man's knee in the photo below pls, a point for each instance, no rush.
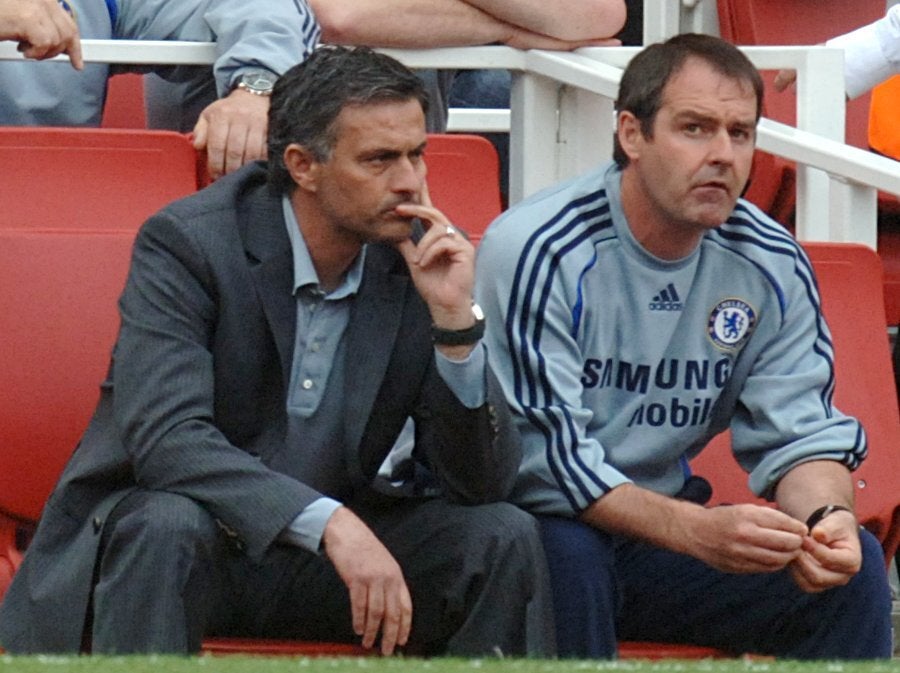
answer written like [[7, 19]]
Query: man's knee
[[501, 541], [505, 527], [572, 545], [166, 520], [870, 585], [158, 558]]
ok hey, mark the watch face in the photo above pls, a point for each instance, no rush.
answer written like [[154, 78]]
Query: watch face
[[258, 81]]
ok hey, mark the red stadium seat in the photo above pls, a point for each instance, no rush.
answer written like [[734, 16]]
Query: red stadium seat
[[124, 108], [72, 201], [464, 180], [658, 651], [283, 648], [797, 22], [100, 178]]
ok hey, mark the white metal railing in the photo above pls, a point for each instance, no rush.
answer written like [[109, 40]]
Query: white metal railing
[[561, 119]]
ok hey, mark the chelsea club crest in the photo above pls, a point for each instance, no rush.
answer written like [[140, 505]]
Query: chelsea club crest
[[730, 323]]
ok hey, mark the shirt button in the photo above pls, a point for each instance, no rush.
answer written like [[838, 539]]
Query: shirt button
[[307, 384], [314, 347]]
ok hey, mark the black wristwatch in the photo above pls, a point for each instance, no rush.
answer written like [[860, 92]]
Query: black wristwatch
[[257, 82], [822, 512], [460, 337]]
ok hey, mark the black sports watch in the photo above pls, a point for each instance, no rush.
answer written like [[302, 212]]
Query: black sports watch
[[460, 337], [257, 82], [822, 512]]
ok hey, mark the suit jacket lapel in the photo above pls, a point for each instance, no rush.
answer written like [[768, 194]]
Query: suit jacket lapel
[[272, 268], [374, 320], [371, 338]]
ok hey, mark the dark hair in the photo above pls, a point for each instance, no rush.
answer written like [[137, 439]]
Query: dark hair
[[645, 78], [308, 98]]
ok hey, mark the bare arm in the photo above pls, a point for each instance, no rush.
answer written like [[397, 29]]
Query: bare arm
[[406, 23], [562, 19], [810, 485], [413, 24], [734, 538], [832, 553]]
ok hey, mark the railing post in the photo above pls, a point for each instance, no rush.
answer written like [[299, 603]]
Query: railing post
[[821, 109], [853, 208], [661, 19], [586, 127], [533, 115]]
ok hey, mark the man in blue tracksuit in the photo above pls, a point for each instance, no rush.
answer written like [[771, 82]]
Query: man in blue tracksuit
[[637, 311]]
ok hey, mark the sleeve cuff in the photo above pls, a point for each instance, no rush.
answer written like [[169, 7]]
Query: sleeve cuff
[[466, 378], [865, 64], [306, 530]]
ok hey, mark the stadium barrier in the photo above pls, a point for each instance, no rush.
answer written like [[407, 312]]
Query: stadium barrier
[[573, 93]]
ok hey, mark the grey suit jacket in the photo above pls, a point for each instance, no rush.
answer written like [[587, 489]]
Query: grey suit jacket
[[195, 399]]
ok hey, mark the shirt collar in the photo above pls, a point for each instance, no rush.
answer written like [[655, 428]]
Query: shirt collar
[[305, 273]]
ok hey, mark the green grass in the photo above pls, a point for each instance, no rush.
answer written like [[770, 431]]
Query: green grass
[[240, 664]]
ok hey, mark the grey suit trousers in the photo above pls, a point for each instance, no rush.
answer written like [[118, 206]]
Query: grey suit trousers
[[168, 575]]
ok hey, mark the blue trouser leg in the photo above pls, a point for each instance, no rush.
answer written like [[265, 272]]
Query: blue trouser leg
[[581, 562], [648, 593]]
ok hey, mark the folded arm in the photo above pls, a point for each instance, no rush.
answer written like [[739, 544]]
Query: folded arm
[[564, 19], [425, 24]]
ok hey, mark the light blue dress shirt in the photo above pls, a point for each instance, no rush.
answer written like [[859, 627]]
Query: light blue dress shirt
[[315, 404]]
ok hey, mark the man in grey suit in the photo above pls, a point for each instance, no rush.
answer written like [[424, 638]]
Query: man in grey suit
[[299, 436]]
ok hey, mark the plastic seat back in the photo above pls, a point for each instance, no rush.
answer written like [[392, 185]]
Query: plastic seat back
[[795, 22], [58, 292], [124, 107], [102, 178], [464, 180], [72, 202]]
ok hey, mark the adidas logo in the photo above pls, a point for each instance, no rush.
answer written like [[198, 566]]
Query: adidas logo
[[667, 300]]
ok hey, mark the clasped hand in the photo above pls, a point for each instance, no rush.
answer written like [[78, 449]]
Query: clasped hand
[[750, 538], [832, 554]]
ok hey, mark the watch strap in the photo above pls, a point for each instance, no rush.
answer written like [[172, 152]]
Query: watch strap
[[822, 512], [458, 337]]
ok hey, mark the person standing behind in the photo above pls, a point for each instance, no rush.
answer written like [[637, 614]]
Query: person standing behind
[[871, 55], [427, 24], [635, 312], [280, 331], [255, 42], [871, 58]]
